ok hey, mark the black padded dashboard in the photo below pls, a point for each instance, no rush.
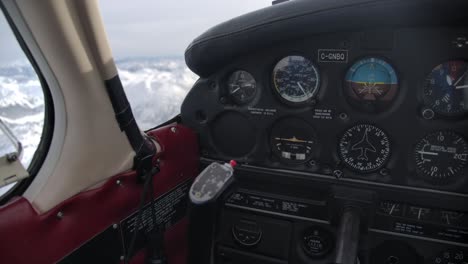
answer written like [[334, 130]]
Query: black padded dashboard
[[411, 39]]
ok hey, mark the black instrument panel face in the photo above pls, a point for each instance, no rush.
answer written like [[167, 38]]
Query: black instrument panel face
[[388, 112]]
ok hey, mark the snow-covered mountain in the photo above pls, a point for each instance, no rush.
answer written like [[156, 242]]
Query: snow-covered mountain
[[155, 88]]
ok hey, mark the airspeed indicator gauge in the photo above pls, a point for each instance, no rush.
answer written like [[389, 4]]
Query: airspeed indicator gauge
[[364, 148], [296, 79], [441, 156]]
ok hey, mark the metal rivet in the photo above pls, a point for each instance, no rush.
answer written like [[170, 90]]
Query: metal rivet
[[122, 257], [173, 129], [118, 182], [115, 226], [60, 215], [343, 116]]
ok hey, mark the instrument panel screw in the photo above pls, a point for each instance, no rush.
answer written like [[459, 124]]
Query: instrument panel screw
[[115, 226], [173, 129], [383, 172], [223, 100], [118, 182], [122, 258], [338, 174], [343, 116], [427, 113], [60, 215]]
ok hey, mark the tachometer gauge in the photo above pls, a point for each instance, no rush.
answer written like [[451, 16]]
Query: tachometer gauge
[[296, 79], [293, 140], [440, 156], [371, 84], [443, 91], [242, 87], [364, 148]]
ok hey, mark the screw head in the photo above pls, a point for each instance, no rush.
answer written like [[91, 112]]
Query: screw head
[[427, 113], [60, 215], [115, 226], [343, 116], [173, 129], [383, 172]]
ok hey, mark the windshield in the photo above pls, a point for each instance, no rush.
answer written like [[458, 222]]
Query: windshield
[[148, 40]]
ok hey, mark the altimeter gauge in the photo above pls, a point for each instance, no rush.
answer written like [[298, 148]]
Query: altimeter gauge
[[441, 156], [364, 148], [293, 140], [296, 79]]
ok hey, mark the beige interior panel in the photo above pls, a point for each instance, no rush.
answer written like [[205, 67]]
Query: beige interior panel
[[93, 148]]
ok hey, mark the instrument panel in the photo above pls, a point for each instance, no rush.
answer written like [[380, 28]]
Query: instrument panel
[[377, 107]]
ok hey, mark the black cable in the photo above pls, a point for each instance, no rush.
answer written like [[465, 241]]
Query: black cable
[[148, 182], [155, 249]]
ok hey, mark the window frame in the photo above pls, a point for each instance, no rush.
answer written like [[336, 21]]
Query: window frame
[[49, 117]]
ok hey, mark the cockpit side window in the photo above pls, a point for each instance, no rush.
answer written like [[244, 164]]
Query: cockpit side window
[[148, 45], [24, 104]]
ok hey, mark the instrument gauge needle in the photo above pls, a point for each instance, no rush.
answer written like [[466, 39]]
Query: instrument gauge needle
[[235, 90], [302, 89], [461, 86], [428, 153], [461, 77]]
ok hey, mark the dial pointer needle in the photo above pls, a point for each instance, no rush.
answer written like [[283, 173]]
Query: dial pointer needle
[[302, 89], [461, 77], [428, 153], [462, 86]]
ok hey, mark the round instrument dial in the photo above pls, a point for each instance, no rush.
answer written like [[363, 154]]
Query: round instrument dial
[[371, 84], [451, 256], [296, 79], [364, 148], [443, 90], [317, 241], [441, 155], [293, 140], [242, 87]]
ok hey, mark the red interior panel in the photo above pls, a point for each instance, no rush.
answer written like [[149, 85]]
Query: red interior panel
[[28, 237]]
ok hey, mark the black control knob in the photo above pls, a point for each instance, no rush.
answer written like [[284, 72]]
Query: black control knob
[[247, 233], [317, 241]]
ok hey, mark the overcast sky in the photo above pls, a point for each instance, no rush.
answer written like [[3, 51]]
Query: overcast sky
[[139, 28]]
